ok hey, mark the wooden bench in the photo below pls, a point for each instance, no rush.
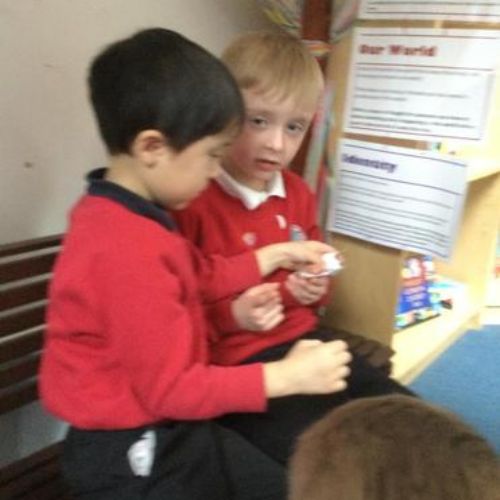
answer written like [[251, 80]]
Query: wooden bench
[[25, 270]]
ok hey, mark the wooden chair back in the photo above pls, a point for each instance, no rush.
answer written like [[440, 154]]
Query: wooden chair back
[[25, 272]]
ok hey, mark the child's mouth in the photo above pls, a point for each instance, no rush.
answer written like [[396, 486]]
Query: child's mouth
[[267, 165]]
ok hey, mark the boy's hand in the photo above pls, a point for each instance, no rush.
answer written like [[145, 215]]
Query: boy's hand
[[310, 367], [259, 308], [292, 255], [307, 290]]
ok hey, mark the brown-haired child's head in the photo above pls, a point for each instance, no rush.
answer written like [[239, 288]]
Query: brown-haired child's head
[[393, 448]]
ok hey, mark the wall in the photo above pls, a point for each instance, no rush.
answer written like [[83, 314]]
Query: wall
[[47, 135]]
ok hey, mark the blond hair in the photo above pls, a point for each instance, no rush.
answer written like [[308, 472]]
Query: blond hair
[[392, 448], [275, 63]]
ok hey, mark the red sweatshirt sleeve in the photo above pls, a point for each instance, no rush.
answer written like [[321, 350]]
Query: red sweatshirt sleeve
[[220, 277], [221, 318]]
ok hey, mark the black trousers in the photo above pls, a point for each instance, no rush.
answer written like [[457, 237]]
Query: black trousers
[[192, 461], [275, 431]]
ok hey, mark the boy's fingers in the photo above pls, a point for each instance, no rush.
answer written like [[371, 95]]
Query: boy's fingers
[[275, 320], [264, 288], [270, 321], [333, 346], [338, 377], [337, 346], [269, 310], [303, 345], [264, 295], [321, 282], [261, 298], [339, 385], [310, 252], [270, 287]]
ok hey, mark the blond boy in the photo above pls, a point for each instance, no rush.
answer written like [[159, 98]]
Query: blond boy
[[256, 201]]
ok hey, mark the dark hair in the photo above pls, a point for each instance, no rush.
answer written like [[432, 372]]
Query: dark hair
[[391, 448], [158, 79]]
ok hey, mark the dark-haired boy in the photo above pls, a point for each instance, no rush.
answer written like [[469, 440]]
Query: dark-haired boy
[[125, 359]]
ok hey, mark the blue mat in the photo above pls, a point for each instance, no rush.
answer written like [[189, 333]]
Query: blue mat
[[466, 380]]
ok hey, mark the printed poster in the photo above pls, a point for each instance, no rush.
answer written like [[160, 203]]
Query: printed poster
[[422, 84], [458, 10], [398, 197]]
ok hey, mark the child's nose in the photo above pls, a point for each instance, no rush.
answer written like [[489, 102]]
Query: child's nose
[[275, 139]]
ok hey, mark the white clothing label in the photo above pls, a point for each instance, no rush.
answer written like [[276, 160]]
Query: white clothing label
[[141, 454]]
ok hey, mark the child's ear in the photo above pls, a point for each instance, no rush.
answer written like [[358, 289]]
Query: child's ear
[[149, 146]]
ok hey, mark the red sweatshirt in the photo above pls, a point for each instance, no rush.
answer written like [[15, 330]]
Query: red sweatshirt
[[219, 224], [126, 342]]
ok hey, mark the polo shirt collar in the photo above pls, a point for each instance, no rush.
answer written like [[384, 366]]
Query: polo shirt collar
[[251, 198], [99, 186]]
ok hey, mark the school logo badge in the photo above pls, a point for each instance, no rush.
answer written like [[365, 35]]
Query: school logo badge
[[297, 233], [250, 239], [281, 221]]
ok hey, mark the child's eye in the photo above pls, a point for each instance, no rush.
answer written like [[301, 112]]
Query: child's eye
[[257, 121], [296, 128], [217, 157]]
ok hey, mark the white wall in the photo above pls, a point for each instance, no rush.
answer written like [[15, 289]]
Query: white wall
[[47, 135]]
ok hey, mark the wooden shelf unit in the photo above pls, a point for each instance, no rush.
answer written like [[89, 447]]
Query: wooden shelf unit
[[366, 292]]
